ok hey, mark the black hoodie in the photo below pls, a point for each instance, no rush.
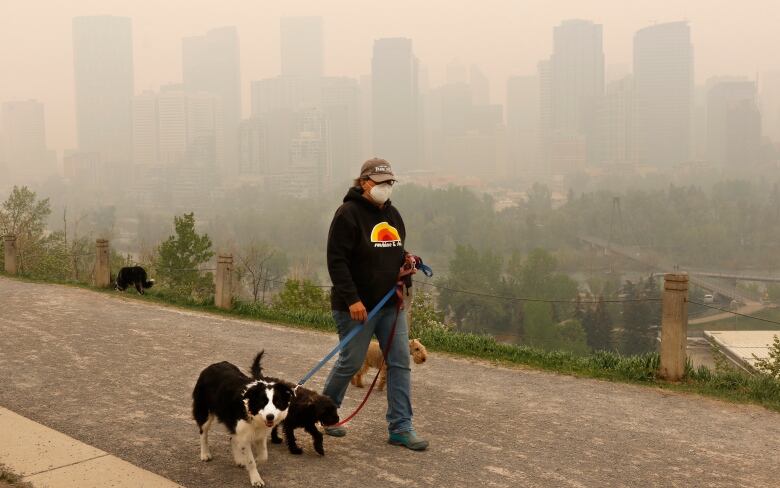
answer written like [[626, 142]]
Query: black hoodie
[[365, 251]]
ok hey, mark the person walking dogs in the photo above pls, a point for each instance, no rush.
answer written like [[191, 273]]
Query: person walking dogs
[[366, 259]]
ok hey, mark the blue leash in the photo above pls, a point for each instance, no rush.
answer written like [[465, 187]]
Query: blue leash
[[427, 270], [351, 335]]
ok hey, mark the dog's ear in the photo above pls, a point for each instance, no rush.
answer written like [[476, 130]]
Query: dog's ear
[[325, 410]]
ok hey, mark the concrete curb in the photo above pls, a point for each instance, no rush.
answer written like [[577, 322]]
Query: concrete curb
[[47, 458]]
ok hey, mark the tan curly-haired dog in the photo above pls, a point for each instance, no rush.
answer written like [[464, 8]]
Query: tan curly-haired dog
[[374, 359]]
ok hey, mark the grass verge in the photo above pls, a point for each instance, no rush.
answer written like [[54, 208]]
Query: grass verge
[[9, 479], [731, 385]]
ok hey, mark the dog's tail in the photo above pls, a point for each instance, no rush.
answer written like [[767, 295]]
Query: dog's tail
[[148, 283], [256, 369]]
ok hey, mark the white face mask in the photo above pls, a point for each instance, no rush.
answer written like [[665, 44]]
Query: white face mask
[[380, 193]]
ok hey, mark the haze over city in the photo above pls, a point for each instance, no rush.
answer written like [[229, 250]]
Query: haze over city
[[502, 37], [559, 219], [126, 114]]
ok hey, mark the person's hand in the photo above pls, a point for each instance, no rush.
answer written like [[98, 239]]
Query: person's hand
[[406, 271], [409, 267], [358, 312]]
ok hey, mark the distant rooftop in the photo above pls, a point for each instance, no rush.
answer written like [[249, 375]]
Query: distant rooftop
[[741, 345]]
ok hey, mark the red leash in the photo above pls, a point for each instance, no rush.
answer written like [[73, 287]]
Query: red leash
[[399, 304]]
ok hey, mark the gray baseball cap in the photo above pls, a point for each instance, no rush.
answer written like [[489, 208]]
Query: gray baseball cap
[[378, 170]]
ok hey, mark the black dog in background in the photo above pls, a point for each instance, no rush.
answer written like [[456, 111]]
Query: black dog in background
[[306, 409], [133, 275]]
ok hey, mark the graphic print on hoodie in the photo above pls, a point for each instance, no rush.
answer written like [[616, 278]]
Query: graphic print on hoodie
[[365, 251]]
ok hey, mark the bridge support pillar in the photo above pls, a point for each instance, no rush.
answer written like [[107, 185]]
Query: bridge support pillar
[[674, 326], [223, 294], [102, 264], [9, 244]]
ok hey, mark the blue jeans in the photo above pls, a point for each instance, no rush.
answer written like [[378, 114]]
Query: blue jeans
[[399, 402]]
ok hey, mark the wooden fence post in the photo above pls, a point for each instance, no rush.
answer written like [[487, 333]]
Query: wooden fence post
[[674, 326], [223, 294], [102, 266], [9, 244]]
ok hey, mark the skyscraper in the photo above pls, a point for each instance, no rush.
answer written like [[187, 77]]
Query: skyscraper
[[663, 81], [210, 64], [24, 142], [577, 81], [177, 142], [395, 103], [103, 67]]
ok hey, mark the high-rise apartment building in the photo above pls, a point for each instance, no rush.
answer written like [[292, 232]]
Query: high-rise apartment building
[[663, 83]]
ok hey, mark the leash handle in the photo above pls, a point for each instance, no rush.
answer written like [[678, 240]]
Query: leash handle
[[347, 338]]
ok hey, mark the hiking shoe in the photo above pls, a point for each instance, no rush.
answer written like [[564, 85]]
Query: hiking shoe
[[335, 431], [409, 440]]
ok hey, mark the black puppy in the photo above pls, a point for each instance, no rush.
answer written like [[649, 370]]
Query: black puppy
[[133, 275], [306, 409]]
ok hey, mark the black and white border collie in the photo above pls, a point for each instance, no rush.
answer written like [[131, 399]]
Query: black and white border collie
[[249, 408], [132, 275]]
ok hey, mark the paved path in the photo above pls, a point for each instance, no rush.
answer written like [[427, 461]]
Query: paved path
[[117, 374], [749, 308]]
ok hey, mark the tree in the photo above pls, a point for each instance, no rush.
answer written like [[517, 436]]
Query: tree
[[641, 318], [770, 365], [474, 271], [570, 336], [423, 316], [180, 257], [53, 262], [598, 327], [542, 332], [24, 216], [538, 325], [302, 295], [261, 267]]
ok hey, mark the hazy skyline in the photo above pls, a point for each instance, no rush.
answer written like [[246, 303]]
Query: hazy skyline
[[502, 37]]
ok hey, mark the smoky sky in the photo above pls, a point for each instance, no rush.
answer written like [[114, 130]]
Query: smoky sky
[[502, 37]]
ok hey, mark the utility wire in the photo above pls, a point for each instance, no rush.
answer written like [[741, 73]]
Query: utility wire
[[527, 299]]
